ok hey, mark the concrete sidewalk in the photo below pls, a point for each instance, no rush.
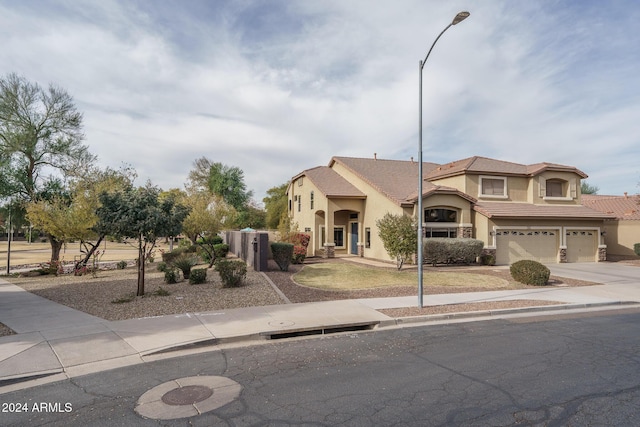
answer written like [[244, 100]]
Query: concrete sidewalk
[[58, 342]]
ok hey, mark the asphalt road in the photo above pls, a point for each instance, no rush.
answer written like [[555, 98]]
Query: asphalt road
[[580, 370]]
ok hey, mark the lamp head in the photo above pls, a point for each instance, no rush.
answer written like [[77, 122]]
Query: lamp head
[[460, 17]]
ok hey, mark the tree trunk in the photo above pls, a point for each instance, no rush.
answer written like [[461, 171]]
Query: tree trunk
[[56, 246], [141, 256], [83, 262]]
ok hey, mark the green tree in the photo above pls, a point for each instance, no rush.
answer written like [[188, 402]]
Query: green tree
[[141, 214], [276, 205], [40, 138], [70, 213], [399, 236], [208, 215], [586, 188], [228, 182], [252, 216]]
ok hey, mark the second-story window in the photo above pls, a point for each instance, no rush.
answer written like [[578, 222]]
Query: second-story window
[[299, 203], [311, 198], [493, 187], [554, 188]]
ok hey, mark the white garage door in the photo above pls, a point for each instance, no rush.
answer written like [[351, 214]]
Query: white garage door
[[538, 245], [582, 245]]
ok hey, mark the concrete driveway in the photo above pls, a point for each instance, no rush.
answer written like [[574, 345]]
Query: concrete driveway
[[608, 273], [619, 281]]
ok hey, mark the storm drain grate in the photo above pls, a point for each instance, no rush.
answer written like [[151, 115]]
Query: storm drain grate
[[319, 331]]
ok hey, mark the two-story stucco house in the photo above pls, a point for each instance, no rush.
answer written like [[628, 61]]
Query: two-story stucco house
[[519, 211]]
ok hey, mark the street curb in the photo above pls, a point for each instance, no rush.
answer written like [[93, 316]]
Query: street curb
[[502, 312], [15, 382]]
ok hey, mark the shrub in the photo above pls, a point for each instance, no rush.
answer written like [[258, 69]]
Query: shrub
[[184, 263], [282, 254], [162, 266], [530, 272], [299, 254], [221, 250], [162, 292], [636, 248], [232, 272], [300, 243], [197, 276], [487, 259], [168, 257], [451, 251], [170, 276], [121, 265]]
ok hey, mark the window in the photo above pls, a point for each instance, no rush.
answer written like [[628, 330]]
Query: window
[[311, 198], [496, 187], [441, 232], [299, 203], [367, 237], [440, 215], [338, 237], [554, 188]]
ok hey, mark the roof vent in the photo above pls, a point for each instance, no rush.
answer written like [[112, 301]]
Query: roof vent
[[375, 156]]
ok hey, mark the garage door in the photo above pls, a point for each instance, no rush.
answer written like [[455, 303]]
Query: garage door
[[538, 245], [582, 245]]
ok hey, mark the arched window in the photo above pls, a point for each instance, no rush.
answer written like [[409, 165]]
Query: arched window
[[440, 215], [555, 188]]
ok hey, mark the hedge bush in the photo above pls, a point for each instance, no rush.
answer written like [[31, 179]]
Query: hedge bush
[[168, 257], [170, 276], [232, 272], [121, 265], [221, 250], [636, 248], [282, 254], [487, 259], [197, 276], [530, 272], [451, 251]]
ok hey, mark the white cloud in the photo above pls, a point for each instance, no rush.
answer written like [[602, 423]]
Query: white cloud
[[276, 87]]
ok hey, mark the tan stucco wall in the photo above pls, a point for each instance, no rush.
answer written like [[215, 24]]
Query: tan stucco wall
[[459, 182], [306, 218], [572, 193], [450, 201], [621, 236]]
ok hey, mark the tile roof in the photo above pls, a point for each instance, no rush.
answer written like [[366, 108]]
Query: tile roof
[[621, 207], [529, 210], [396, 179], [477, 164], [330, 183]]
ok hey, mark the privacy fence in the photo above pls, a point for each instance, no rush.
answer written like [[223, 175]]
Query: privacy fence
[[250, 246]]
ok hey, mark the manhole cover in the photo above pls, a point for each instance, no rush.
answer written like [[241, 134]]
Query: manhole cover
[[187, 395], [281, 323]]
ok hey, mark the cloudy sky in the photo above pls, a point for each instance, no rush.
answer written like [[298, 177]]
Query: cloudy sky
[[276, 87]]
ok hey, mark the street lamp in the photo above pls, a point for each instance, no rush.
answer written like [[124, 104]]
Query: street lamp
[[458, 18]]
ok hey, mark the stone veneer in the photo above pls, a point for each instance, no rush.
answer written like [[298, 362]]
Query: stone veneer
[[329, 250]]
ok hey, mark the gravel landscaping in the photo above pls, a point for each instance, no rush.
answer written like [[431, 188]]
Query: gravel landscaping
[[111, 294]]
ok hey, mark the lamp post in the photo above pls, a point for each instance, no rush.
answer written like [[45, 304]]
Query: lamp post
[[458, 18]]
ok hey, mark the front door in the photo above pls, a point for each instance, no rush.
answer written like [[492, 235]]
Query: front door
[[354, 238]]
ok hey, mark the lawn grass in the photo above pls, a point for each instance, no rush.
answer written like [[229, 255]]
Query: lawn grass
[[346, 276]]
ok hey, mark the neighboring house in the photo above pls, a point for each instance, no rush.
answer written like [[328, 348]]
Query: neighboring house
[[519, 211], [623, 231]]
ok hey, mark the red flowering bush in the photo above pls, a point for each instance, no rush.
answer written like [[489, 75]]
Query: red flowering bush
[[300, 243]]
